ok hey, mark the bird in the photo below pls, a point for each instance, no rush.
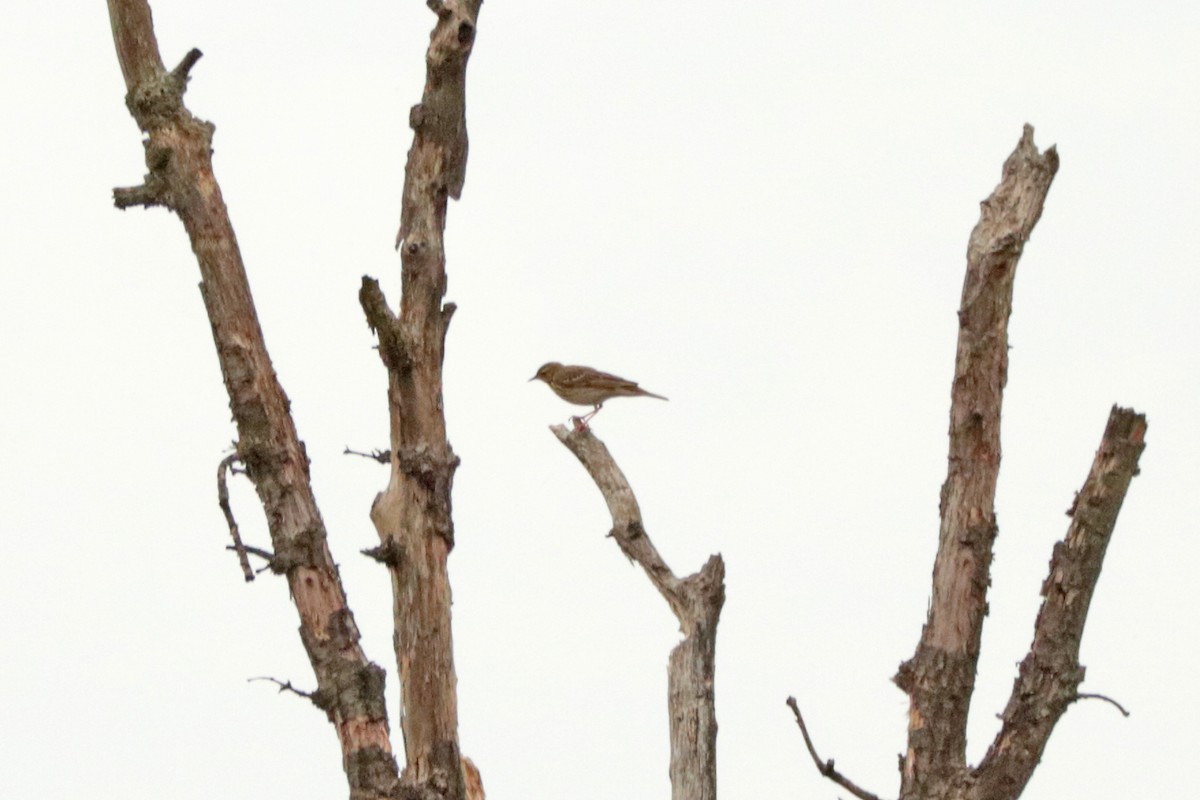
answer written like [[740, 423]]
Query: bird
[[585, 386]]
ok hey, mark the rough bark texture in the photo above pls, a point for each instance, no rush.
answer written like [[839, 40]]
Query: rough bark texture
[[696, 602], [1049, 676], [412, 515], [940, 677], [178, 150]]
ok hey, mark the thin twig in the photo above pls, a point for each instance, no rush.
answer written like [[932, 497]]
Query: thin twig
[[382, 456], [223, 500], [826, 767], [1106, 698], [283, 686], [266, 555]]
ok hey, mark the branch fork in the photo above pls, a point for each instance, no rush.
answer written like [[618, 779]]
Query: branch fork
[[940, 677]]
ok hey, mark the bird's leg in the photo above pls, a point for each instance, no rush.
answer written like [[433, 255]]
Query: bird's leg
[[581, 423]]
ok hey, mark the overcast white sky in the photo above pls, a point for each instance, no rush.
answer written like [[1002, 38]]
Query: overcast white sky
[[760, 211]]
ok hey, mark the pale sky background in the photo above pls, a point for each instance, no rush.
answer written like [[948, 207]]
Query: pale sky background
[[759, 210]]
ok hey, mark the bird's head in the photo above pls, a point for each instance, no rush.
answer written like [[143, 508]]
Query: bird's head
[[546, 371]]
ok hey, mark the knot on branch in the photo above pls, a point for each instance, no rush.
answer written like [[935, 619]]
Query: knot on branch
[[413, 246], [628, 532], [324, 699], [904, 677], [466, 33], [349, 688], [306, 549], [391, 553], [417, 116], [155, 102], [935, 673], [434, 473], [356, 690], [260, 457], [368, 768], [158, 100], [155, 189]]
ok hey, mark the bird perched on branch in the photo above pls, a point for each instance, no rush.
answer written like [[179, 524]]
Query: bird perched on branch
[[585, 386]]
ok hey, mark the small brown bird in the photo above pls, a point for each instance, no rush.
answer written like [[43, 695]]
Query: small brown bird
[[585, 386]]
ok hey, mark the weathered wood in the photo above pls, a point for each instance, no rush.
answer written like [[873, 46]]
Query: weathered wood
[[1049, 676], [412, 515], [178, 155], [940, 677], [696, 602]]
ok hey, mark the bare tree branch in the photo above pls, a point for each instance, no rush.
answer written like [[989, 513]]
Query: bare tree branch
[[440, 119], [412, 515], [696, 602], [265, 555], [178, 155], [1049, 676], [826, 767], [227, 510], [284, 686], [940, 677], [1105, 698], [382, 456]]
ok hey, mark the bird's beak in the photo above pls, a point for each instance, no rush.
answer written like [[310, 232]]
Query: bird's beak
[[534, 378]]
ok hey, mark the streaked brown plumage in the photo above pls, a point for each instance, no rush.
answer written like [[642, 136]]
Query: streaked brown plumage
[[585, 386]]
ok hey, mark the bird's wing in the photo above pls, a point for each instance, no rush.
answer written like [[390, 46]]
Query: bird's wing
[[586, 376]]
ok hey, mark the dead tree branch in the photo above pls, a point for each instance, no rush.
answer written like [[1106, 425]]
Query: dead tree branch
[[223, 501], [940, 677], [412, 516], [1049, 676], [1105, 698], [826, 767], [382, 456], [265, 555], [178, 155], [696, 602], [285, 686]]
